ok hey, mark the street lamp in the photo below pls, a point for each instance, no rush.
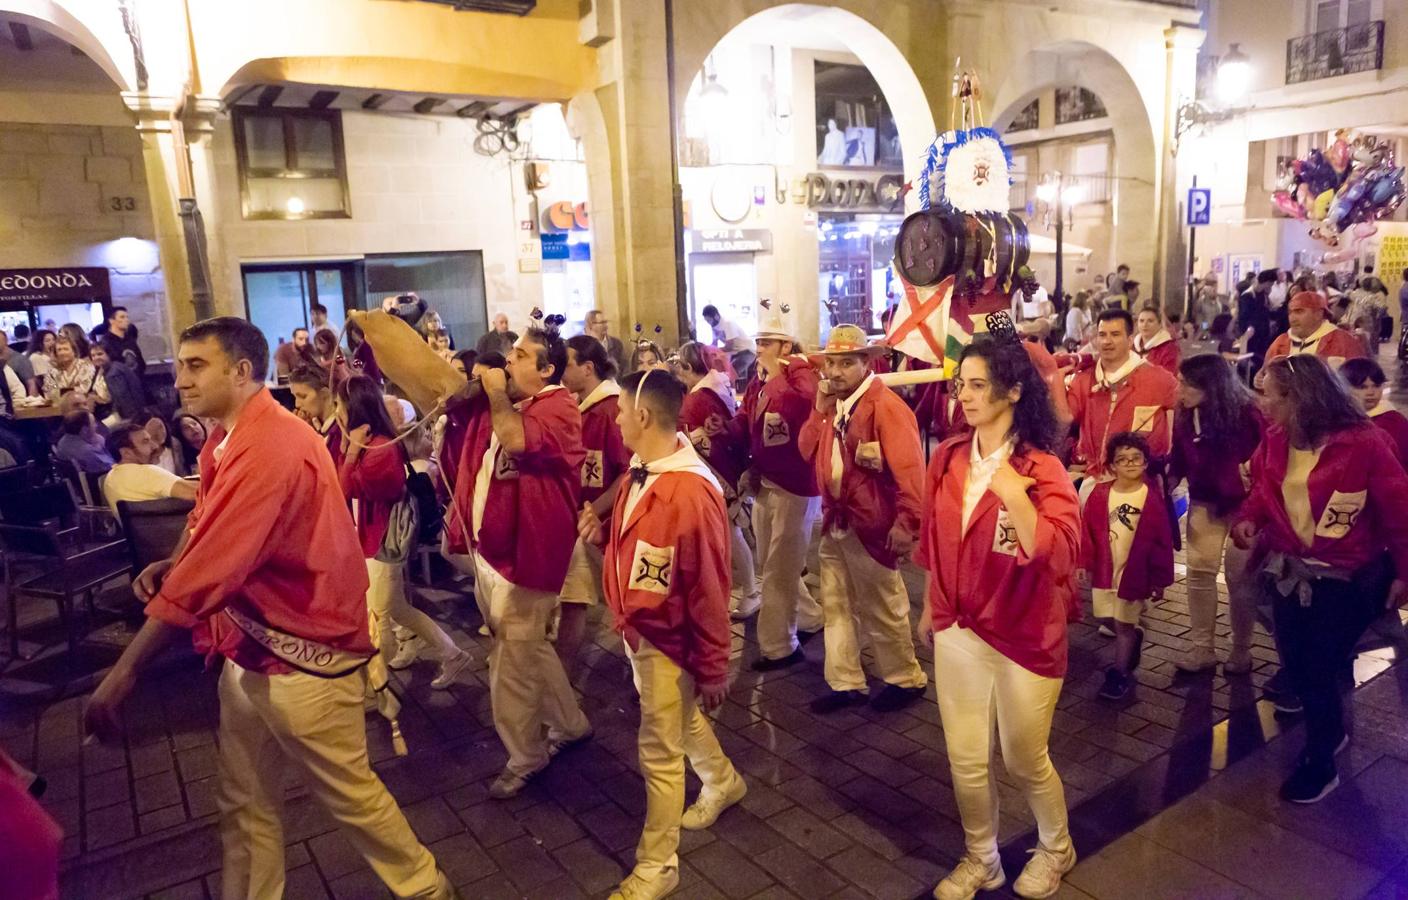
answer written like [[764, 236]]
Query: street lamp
[[1234, 75], [1058, 197]]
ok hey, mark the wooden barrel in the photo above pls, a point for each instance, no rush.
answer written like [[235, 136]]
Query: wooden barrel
[[928, 247], [1008, 249]]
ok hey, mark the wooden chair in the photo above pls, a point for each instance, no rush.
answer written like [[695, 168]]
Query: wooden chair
[[153, 528], [67, 570]]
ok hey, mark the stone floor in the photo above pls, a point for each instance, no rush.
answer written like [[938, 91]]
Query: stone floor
[[856, 804]]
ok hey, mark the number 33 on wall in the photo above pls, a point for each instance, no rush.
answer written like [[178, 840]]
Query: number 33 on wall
[[122, 204]]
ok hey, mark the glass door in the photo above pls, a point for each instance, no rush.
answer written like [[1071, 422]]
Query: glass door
[[278, 298]]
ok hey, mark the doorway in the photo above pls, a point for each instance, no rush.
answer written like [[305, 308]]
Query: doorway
[[278, 297], [451, 284]]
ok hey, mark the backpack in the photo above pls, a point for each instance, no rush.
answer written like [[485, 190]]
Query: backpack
[[415, 519]]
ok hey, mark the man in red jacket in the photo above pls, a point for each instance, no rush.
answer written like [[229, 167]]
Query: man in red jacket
[[863, 442], [523, 525], [666, 579], [1312, 331], [776, 406], [269, 575], [1121, 393]]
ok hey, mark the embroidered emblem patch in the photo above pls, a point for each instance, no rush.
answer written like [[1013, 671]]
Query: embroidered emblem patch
[[651, 568], [1340, 514], [592, 470], [699, 437], [776, 431], [1146, 417], [1004, 536], [869, 456]]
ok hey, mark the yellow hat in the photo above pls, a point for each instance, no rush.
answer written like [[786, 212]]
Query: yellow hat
[[848, 339]]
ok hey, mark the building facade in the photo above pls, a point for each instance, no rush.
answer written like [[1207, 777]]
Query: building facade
[[216, 162]]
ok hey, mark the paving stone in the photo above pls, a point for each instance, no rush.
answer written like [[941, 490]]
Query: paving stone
[[189, 890], [305, 883], [809, 832], [525, 863], [729, 869], [335, 855], [550, 825], [109, 825], [432, 820], [462, 859], [874, 875], [106, 789], [156, 791], [362, 885], [161, 819], [491, 823], [593, 869]]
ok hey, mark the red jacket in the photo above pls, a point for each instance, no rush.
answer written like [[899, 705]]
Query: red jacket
[[530, 513], [666, 573], [984, 580], [704, 418], [606, 455], [270, 535], [1336, 344], [773, 414], [373, 483], [943, 419], [1358, 492], [1144, 402], [468, 429], [1214, 465], [1165, 355], [1395, 425], [1150, 563], [332, 437], [882, 469]]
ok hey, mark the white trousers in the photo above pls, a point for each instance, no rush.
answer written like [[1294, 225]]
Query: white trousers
[[744, 575], [1208, 550], [583, 582], [782, 526], [860, 594], [977, 685], [316, 727], [672, 727], [386, 600], [527, 684]]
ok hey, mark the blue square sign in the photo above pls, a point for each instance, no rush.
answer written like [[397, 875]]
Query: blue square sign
[[1199, 206]]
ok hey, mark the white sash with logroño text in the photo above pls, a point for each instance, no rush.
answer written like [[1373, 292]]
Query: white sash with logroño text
[[304, 654]]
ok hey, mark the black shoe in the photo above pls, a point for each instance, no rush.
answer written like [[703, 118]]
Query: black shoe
[[1287, 703], [1309, 783], [763, 664], [1117, 685], [836, 700], [893, 697], [804, 637], [1138, 650]]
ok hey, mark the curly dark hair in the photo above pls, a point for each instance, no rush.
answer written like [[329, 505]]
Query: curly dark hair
[[1126, 440], [1227, 402], [1320, 402], [1009, 366]]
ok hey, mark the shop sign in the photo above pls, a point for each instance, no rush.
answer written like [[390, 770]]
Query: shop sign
[[46, 285], [731, 240], [555, 246], [881, 193], [565, 216]]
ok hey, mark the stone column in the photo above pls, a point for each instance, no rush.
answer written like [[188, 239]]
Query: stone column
[[1180, 85]]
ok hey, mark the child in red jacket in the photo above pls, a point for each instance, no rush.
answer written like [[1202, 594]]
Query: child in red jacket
[[1366, 379], [1126, 553], [666, 581]]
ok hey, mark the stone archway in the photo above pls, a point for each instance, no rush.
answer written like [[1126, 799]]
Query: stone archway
[[1136, 168], [97, 31]]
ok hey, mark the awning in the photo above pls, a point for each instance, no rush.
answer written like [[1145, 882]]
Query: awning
[[1040, 243]]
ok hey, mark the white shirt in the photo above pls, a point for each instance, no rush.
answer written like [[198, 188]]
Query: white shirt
[[843, 416], [980, 472], [1077, 321], [1124, 511], [135, 482], [684, 459], [735, 339], [1038, 307]]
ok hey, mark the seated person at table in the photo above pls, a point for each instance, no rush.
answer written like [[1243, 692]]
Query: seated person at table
[[81, 444], [135, 477]]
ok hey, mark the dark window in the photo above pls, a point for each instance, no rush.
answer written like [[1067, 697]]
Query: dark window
[[292, 164]]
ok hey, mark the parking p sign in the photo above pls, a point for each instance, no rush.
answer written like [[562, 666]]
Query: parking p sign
[[1199, 206]]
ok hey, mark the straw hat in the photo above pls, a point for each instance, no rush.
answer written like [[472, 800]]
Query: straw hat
[[849, 339], [775, 322]]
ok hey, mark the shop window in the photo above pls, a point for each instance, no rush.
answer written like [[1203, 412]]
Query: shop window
[[292, 164]]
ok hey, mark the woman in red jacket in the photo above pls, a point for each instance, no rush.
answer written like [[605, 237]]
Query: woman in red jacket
[[312, 401], [1000, 539], [709, 406], [1216, 429], [373, 476], [1327, 500]]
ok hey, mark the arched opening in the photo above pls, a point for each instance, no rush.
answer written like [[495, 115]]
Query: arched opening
[[798, 129], [1073, 108]]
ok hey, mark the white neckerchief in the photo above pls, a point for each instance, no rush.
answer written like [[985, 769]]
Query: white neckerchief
[[1308, 345], [1105, 382], [838, 432], [1161, 337], [485, 475], [1382, 408], [717, 382], [684, 459], [604, 389]]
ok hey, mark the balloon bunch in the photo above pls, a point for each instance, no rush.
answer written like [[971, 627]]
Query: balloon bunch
[[1344, 189]]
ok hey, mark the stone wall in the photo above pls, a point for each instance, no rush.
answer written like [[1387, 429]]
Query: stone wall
[[58, 188]]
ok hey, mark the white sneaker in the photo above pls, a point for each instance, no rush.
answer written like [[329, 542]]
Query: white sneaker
[[638, 888], [484, 631], [968, 877], [708, 806], [509, 784], [407, 652], [747, 606], [1199, 659], [449, 668], [1042, 875], [1105, 631]]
